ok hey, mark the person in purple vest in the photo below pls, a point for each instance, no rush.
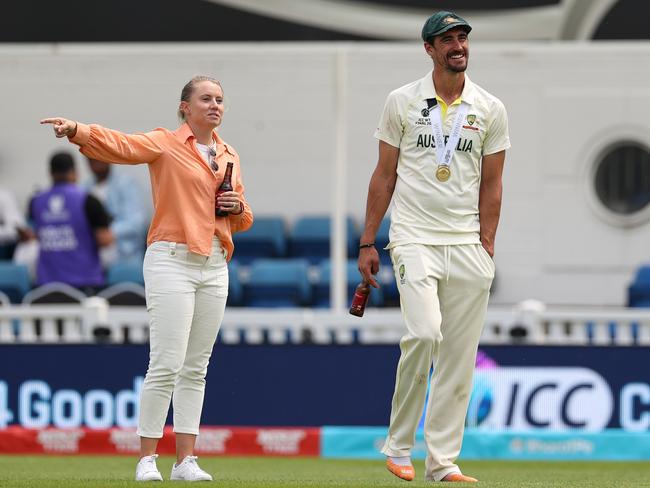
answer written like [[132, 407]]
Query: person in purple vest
[[71, 225]]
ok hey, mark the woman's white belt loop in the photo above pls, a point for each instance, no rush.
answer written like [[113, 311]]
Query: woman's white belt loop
[[216, 246]]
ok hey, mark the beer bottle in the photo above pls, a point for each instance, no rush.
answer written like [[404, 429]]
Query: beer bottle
[[360, 299], [226, 185]]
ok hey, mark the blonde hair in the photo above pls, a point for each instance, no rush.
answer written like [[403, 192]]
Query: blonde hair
[[188, 89]]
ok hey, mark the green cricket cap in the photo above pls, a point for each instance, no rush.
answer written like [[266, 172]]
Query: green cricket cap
[[441, 22]]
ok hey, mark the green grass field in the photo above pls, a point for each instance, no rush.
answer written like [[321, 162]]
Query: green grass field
[[116, 471]]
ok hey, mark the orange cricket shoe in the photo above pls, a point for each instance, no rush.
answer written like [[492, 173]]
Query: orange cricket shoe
[[406, 473], [459, 477]]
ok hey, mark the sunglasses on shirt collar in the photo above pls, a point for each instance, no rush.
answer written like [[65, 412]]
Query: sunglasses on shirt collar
[[213, 159]]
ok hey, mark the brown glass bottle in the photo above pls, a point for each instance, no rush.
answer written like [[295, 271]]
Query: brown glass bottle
[[226, 185], [360, 299]]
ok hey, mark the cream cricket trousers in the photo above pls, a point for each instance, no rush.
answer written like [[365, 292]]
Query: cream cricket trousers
[[444, 293], [186, 298]]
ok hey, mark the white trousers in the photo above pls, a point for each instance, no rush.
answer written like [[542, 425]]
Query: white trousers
[[444, 293], [186, 298]]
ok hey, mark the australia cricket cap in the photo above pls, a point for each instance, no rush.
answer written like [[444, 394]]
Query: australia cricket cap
[[441, 22]]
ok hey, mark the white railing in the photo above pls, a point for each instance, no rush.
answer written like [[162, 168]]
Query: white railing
[[527, 323], [70, 323]]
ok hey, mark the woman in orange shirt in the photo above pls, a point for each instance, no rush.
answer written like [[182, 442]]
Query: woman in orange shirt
[[185, 266]]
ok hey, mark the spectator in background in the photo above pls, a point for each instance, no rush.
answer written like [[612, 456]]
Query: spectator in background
[[12, 224], [70, 225], [122, 198]]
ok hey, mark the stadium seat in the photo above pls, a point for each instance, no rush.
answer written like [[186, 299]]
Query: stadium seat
[[639, 290], [54, 293], [278, 283], [265, 239], [14, 280], [125, 294], [123, 272], [7, 251], [235, 292], [321, 289], [386, 278], [310, 239]]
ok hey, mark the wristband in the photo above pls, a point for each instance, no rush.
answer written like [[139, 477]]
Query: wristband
[[370, 244]]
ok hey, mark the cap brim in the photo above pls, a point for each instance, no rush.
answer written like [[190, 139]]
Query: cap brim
[[446, 28]]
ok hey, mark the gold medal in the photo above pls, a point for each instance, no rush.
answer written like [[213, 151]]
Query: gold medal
[[443, 173]]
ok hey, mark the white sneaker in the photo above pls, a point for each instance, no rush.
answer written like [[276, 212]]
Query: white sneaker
[[146, 470], [189, 470]]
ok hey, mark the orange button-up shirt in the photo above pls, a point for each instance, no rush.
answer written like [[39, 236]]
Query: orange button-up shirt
[[183, 184]]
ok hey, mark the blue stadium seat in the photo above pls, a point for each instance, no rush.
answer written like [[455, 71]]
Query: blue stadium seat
[[265, 239], [14, 280], [278, 283], [321, 289], [122, 272], [310, 239], [386, 278], [235, 291], [639, 290]]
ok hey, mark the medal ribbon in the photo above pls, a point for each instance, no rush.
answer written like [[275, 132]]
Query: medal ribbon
[[445, 152]]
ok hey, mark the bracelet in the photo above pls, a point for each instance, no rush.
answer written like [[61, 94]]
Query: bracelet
[[370, 244]]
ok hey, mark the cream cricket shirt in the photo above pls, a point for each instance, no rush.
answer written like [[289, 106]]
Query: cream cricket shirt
[[425, 210]]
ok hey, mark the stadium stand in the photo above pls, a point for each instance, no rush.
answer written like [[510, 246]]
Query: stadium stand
[[235, 291], [278, 283], [14, 280], [388, 285], [269, 239], [639, 290], [7, 250], [381, 241], [266, 239], [126, 294], [120, 272], [321, 288], [310, 238]]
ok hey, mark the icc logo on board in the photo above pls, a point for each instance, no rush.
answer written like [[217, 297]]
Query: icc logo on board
[[520, 398]]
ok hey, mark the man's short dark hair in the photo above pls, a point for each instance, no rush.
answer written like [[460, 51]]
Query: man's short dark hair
[[61, 163]]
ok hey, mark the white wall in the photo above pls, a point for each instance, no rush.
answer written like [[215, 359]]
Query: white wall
[[565, 103]]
